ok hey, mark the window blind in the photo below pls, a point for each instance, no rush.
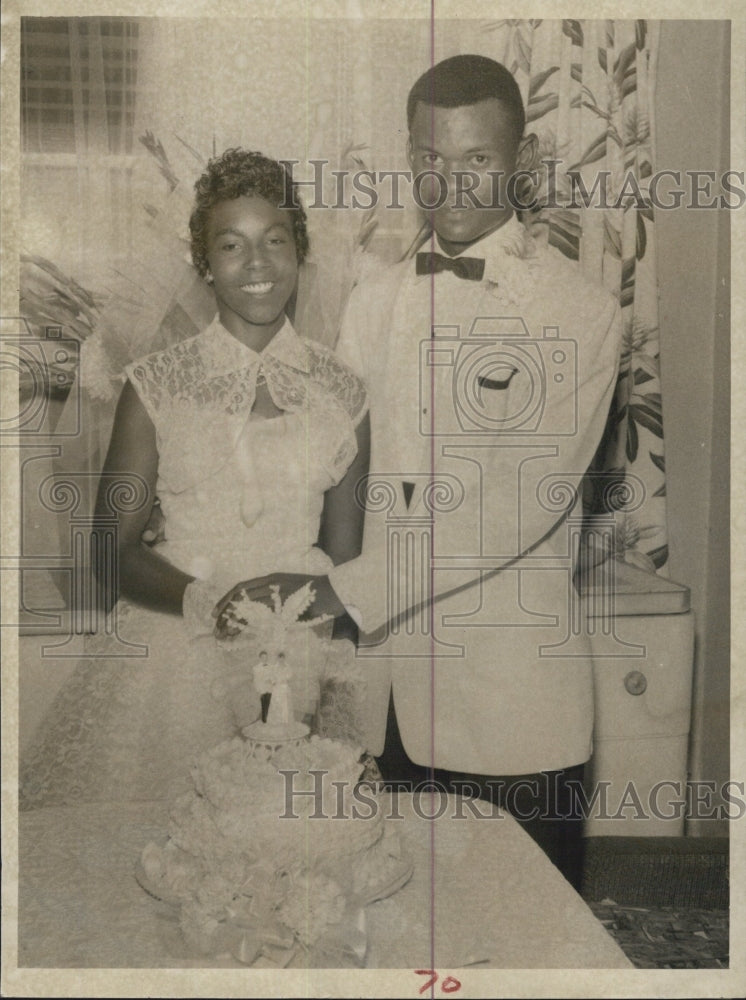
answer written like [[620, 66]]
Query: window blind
[[78, 84]]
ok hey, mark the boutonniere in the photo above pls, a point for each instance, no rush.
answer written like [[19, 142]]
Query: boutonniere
[[515, 270]]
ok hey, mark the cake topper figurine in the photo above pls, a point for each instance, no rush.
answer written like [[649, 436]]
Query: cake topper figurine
[[272, 681], [279, 633]]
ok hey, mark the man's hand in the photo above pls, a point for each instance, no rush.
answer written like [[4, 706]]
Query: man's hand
[[155, 530], [325, 601]]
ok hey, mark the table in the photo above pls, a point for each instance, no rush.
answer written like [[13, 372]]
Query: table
[[482, 891]]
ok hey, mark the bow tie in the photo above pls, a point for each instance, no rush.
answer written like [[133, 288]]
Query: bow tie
[[470, 268]]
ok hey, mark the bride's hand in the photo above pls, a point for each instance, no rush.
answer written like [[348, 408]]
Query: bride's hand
[[325, 601]]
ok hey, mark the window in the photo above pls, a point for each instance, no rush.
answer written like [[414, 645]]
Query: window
[[78, 84]]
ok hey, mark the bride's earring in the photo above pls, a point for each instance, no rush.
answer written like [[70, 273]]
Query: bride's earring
[[209, 278]]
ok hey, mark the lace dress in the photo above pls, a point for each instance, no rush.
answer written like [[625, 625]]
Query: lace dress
[[242, 497]]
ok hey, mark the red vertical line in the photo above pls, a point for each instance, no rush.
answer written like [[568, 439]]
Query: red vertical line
[[430, 608]]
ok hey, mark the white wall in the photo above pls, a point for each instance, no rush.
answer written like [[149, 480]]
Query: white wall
[[692, 113]]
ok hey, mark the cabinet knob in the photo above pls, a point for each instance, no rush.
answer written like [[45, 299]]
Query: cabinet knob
[[635, 682]]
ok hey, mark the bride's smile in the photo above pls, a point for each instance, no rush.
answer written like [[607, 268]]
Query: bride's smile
[[253, 262]]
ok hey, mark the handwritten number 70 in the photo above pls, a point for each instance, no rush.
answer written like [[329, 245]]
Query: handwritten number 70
[[449, 984]]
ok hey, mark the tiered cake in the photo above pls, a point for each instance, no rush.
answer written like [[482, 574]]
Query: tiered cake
[[277, 848]]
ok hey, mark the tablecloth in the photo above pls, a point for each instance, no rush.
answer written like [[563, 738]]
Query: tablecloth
[[482, 892]]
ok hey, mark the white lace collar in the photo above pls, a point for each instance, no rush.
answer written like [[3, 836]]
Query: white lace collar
[[224, 353]]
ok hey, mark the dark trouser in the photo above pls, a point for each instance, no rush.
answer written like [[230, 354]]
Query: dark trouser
[[543, 803]]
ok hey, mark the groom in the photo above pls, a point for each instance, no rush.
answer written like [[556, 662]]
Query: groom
[[491, 365]]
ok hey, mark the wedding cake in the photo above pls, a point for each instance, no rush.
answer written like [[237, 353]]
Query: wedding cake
[[278, 846]]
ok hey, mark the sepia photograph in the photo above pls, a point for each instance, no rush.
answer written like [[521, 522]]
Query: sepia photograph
[[366, 500]]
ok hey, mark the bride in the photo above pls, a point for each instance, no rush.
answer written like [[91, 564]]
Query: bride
[[253, 440]]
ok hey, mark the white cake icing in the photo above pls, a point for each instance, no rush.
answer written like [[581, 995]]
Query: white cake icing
[[257, 868], [278, 846]]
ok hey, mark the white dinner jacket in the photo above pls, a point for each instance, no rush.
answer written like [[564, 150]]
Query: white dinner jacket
[[493, 424]]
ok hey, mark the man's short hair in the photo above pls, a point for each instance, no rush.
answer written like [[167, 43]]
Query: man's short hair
[[465, 80]]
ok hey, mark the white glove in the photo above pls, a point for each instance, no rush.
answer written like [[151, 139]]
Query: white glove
[[200, 597]]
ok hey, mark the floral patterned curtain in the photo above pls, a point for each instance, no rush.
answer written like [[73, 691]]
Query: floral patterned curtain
[[588, 86]]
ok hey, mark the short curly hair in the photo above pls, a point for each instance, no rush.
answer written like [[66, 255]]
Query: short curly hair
[[240, 172]]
